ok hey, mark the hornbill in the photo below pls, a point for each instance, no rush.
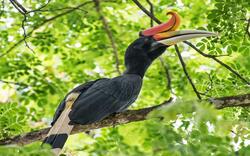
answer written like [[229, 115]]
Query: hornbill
[[95, 100]]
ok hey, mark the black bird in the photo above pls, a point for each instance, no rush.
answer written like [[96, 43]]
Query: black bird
[[95, 100]]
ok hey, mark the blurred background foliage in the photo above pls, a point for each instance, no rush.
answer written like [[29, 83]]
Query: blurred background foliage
[[72, 47]]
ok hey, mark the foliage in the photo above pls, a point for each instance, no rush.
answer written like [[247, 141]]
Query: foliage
[[71, 48], [12, 119], [29, 150]]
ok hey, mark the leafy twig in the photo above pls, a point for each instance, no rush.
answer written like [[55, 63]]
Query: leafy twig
[[109, 33], [248, 27], [210, 86], [218, 61], [24, 12], [25, 34], [167, 73], [44, 22], [186, 72]]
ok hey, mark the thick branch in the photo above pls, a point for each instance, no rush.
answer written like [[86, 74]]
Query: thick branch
[[232, 101], [123, 118], [109, 33], [117, 119]]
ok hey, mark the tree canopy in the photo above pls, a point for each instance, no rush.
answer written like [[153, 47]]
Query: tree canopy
[[49, 47]]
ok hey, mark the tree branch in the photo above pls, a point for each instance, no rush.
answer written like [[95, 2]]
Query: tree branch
[[186, 72], [109, 33], [218, 61], [151, 11], [18, 6], [248, 27], [167, 74], [231, 101], [147, 12], [25, 34], [24, 12], [123, 118]]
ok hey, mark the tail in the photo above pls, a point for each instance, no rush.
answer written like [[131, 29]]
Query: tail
[[61, 129]]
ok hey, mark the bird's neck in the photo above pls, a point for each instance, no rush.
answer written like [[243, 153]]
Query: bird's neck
[[138, 67]]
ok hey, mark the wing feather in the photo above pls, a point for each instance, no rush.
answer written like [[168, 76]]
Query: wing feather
[[82, 88]]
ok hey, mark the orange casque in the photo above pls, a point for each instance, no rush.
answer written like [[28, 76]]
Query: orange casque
[[160, 30]]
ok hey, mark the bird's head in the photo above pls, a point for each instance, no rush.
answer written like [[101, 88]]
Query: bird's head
[[154, 41]]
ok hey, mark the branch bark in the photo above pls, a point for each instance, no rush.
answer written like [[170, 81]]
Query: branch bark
[[123, 118]]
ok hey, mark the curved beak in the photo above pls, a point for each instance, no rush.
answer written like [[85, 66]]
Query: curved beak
[[166, 33], [173, 37]]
